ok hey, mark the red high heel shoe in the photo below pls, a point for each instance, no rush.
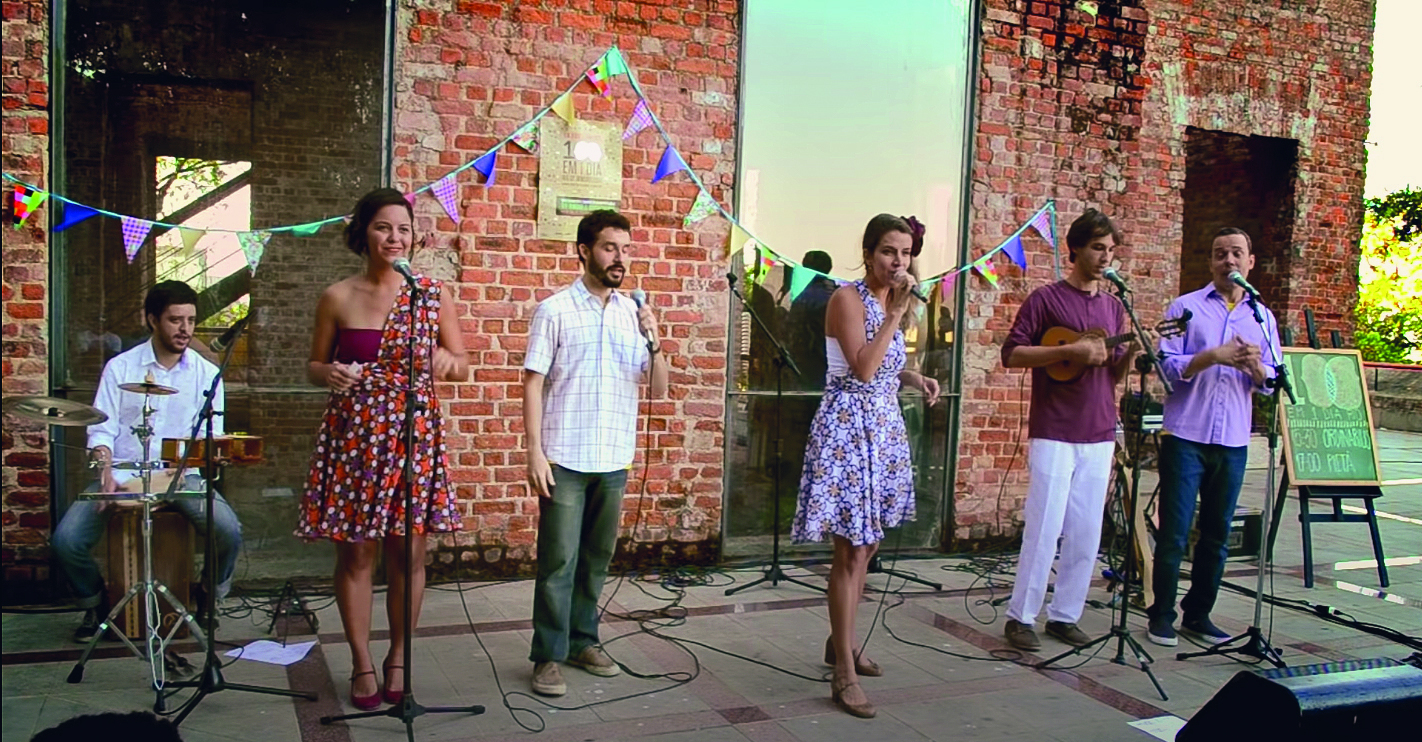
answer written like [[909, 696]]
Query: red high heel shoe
[[392, 697], [364, 703]]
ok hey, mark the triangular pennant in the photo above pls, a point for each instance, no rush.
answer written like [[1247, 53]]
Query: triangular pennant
[[254, 244], [1014, 250], [190, 237], [445, 190], [486, 164], [986, 269], [641, 119], [410, 197], [703, 207], [27, 201], [739, 239], [1042, 222], [135, 231], [671, 162], [527, 137], [598, 76], [311, 228], [947, 285], [73, 214], [564, 107], [616, 64], [800, 279]]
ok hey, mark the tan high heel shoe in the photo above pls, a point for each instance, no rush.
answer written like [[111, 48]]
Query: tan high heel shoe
[[862, 710], [868, 668]]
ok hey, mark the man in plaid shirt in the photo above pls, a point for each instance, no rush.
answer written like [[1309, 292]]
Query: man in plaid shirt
[[589, 347]]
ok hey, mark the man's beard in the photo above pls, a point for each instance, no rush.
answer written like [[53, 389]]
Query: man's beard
[[601, 274], [171, 345]]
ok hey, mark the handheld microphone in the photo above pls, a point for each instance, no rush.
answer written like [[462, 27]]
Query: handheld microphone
[[1237, 279], [639, 297], [913, 289], [402, 266], [226, 338], [1110, 274]]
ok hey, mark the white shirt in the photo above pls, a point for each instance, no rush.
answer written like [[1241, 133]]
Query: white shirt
[[173, 415], [593, 356]]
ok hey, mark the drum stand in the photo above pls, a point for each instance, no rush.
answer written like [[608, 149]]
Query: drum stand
[[156, 643]]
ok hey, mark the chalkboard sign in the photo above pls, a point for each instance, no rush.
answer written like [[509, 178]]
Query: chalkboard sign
[[1328, 433]]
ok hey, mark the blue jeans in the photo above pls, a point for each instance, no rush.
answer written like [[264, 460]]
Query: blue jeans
[[577, 533], [84, 524], [1216, 473]]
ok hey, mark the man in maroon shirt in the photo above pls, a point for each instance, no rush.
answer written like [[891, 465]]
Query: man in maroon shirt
[[1071, 432]]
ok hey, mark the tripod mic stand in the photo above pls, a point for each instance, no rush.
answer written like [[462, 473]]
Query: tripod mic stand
[[1255, 645], [211, 681], [1149, 359], [773, 573], [407, 710]]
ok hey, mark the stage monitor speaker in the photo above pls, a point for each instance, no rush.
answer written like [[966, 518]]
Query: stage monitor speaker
[[1334, 701]]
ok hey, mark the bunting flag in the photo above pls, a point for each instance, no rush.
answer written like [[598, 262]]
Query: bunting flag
[[703, 207], [671, 162], [73, 214], [410, 198], [616, 65], [564, 107], [254, 244], [1042, 222], [27, 201], [309, 229], [485, 165], [739, 240], [599, 76], [135, 231], [641, 119], [947, 285], [1014, 250], [800, 279], [444, 189], [527, 137], [190, 237], [986, 269]]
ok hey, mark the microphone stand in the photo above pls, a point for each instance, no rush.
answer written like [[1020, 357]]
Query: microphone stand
[[1119, 632], [1255, 645], [407, 710], [210, 681], [773, 574]]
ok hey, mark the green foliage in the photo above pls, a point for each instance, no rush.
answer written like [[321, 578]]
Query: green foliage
[[1389, 310]]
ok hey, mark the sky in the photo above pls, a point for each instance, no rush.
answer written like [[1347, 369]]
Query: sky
[[1395, 133]]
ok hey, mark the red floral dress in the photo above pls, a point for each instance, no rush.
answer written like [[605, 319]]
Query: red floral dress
[[355, 490]]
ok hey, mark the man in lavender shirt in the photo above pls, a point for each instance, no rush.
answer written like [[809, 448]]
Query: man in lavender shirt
[[1071, 432], [1214, 369]]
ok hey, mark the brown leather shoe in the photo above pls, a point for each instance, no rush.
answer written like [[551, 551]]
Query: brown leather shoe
[[863, 710], [867, 668], [596, 661], [548, 679], [1021, 636], [1068, 632]]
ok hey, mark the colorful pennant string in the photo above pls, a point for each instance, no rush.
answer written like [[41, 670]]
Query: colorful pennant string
[[27, 201], [671, 162], [527, 137], [254, 245], [73, 214], [445, 190], [1015, 252], [135, 231], [703, 207], [564, 107], [641, 119], [486, 165]]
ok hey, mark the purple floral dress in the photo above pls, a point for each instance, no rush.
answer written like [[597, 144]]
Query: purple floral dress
[[858, 479], [355, 489]]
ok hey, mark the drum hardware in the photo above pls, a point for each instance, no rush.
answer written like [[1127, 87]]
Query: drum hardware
[[156, 641]]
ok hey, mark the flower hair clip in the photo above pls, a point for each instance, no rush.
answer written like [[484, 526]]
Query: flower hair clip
[[916, 231]]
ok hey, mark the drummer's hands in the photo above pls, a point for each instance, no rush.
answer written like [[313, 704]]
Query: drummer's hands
[[342, 377]]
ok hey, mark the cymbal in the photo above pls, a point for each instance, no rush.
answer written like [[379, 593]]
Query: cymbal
[[148, 387], [54, 411]]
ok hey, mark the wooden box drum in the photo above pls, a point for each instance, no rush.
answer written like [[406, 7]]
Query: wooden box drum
[[172, 564]]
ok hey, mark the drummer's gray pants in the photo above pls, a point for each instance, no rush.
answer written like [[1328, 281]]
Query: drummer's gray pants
[[84, 524]]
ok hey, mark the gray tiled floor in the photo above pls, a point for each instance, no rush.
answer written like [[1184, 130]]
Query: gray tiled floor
[[925, 694]]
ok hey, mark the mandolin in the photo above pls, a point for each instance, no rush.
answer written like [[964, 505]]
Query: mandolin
[[1072, 370]]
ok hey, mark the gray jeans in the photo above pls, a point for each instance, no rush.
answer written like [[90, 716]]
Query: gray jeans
[[84, 524]]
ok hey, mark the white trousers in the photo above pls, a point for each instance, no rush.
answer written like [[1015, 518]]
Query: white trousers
[[1066, 498]]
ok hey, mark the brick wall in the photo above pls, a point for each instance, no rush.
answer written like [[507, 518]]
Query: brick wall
[[1092, 110], [468, 74], [24, 141]]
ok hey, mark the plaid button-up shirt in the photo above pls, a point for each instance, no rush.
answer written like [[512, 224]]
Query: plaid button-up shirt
[[594, 357]]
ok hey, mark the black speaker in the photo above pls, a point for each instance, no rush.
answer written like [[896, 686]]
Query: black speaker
[[1334, 701]]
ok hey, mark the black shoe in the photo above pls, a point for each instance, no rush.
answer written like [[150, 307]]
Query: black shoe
[[1203, 629], [1162, 633], [89, 625]]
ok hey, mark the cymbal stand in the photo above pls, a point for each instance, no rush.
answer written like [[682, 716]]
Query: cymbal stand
[[156, 642]]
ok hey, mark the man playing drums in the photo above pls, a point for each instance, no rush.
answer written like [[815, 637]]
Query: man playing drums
[[170, 310]]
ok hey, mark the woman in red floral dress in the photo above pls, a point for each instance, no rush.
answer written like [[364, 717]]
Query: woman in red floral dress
[[354, 495]]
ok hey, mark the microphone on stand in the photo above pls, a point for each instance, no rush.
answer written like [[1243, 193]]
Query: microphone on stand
[[226, 338], [402, 266], [1237, 279], [639, 297], [1110, 274]]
